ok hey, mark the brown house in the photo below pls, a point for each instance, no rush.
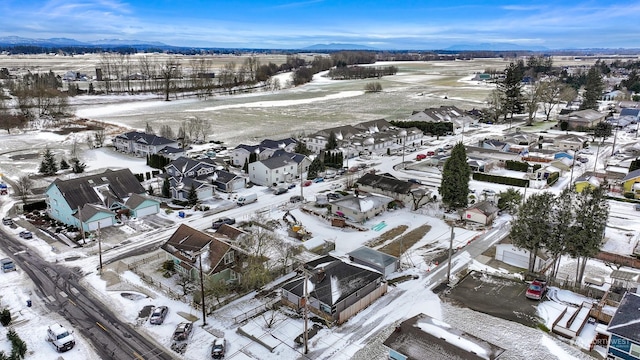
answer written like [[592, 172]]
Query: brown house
[[191, 249]]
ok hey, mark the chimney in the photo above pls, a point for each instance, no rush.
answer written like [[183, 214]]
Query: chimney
[[320, 275]]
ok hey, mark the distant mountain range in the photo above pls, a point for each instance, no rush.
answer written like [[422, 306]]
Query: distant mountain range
[[56, 42], [495, 47], [337, 46]]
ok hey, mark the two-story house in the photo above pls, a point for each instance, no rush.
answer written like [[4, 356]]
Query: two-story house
[[241, 154], [91, 201], [185, 173], [284, 167], [192, 250], [142, 144], [624, 327]]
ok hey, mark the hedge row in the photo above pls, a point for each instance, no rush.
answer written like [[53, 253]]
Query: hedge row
[[505, 180], [553, 178], [517, 166]]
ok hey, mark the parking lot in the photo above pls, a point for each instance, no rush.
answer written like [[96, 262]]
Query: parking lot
[[496, 296]]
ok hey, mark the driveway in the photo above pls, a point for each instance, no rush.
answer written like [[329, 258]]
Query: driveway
[[496, 296]]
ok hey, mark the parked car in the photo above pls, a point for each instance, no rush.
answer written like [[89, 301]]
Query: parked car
[[291, 186], [318, 179], [60, 337], [280, 190], [7, 221], [448, 147], [295, 198], [225, 220], [182, 332], [421, 156], [637, 207], [536, 289], [307, 183], [414, 181], [336, 186], [247, 199], [582, 159], [158, 315], [217, 348], [26, 234], [334, 196], [431, 153]]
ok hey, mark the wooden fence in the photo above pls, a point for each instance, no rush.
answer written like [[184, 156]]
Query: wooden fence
[[347, 313]]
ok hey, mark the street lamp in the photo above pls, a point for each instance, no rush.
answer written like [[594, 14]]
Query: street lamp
[[404, 141]]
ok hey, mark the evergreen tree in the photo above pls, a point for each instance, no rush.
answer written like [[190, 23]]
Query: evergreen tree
[[192, 196], [593, 88], [166, 188], [150, 190], [48, 165], [301, 148], [148, 129], [315, 167], [511, 88], [245, 167], [332, 142], [509, 200], [63, 164], [455, 179], [533, 226], [77, 166]]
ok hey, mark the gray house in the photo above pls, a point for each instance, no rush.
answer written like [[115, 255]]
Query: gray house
[[336, 290], [379, 261], [400, 190]]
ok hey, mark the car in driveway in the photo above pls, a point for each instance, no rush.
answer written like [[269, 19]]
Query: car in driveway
[[7, 221], [182, 332], [536, 289], [26, 234], [158, 315], [295, 198], [307, 183], [318, 179], [217, 348], [225, 220], [280, 190]]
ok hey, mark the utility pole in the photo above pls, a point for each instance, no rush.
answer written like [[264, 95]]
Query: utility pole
[[204, 311], [306, 315], [450, 255], [99, 249], [84, 241]]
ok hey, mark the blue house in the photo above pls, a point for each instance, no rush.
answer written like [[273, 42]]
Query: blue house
[[624, 342], [92, 201]]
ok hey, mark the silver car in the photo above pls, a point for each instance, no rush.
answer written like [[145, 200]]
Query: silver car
[[158, 315]]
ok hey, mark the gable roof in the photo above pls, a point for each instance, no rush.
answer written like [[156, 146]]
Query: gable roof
[[277, 144], [373, 256], [186, 164], [630, 112], [333, 280], [136, 200], [626, 320], [632, 175], [363, 203], [276, 162], [486, 207], [385, 183], [422, 335], [186, 242], [224, 177], [118, 184], [87, 211], [144, 138], [230, 231]]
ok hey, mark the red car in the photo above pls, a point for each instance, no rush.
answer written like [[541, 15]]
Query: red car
[[431, 153], [421, 156], [536, 289], [307, 183]]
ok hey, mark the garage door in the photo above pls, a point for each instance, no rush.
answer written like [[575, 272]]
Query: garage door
[[103, 224], [146, 211], [515, 259]]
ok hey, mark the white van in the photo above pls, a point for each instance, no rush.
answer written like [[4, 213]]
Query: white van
[[247, 199]]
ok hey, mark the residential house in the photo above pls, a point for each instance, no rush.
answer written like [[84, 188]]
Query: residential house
[[582, 119], [192, 250], [586, 180], [241, 154], [482, 212], [140, 205], [631, 183], [562, 163], [172, 153], [423, 337], [633, 114], [625, 279], [228, 182], [336, 290], [624, 327], [232, 234], [569, 142], [142, 144], [106, 192], [401, 190], [274, 170], [360, 208], [317, 142], [185, 173], [443, 113], [520, 142], [377, 260]]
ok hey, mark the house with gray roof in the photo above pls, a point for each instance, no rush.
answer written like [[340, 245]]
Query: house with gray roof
[[142, 144], [241, 154], [401, 190], [360, 207], [482, 212], [423, 337], [274, 170], [228, 182], [185, 173], [582, 119], [336, 290], [377, 260], [107, 191], [624, 327]]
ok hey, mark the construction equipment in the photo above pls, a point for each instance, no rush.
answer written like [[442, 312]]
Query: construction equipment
[[294, 228]]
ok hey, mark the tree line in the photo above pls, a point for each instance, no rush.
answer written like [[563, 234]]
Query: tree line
[[361, 72]]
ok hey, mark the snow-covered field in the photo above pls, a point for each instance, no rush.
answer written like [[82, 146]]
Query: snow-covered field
[[251, 117]]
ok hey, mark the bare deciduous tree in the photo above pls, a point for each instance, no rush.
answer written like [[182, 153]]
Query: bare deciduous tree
[[23, 187], [169, 71]]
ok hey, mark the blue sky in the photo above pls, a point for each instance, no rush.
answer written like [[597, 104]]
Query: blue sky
[[282, 24]]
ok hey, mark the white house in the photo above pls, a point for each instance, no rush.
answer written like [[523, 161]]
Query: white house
[[142, 144], [482, 212], [514, 256], [274, 170]]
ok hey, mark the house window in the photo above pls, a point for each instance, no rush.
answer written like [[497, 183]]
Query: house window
[[233, 276], [325, 308], [228, 257], [277, 171], [634, 350]]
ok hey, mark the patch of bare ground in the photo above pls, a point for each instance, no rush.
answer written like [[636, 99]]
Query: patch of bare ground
[[386, 236], [404, 242]]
